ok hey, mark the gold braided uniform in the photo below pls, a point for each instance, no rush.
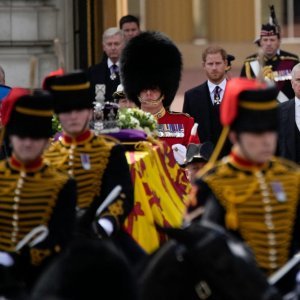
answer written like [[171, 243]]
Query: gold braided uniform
[[34, 196], [260, 205], [98, 164]]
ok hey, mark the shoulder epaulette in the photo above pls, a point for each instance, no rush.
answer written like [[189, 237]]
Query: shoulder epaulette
[[251, 57], [179, 113], [287, 164], [282, 57], [109, 138]]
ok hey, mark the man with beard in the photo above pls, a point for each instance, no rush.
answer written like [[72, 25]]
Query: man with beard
[[203, 101]]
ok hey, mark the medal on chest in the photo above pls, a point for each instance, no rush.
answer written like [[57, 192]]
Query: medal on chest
[[278, 191], [85, 161]]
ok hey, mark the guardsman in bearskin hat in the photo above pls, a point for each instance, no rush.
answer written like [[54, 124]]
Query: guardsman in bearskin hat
[[97, 163], [252, 193], [277, 63], [150, 72], [37, 201]]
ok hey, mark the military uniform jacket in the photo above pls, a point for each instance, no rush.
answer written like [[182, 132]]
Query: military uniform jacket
[[282, 65], [37, 195], [259, 205], [98, 165], [175, 127]]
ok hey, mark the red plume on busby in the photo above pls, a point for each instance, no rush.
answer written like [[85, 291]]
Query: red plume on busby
[[151, 60], [249, 105], [27, 113]]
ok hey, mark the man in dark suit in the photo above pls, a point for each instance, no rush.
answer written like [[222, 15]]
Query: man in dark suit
[[104, 77], [289, 133], [203, 101]]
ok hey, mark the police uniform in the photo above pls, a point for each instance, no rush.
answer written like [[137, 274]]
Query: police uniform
[[97, 163], [174, 127], [259, 203], [35, 196]]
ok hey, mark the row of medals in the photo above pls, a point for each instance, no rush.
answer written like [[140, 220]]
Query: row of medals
[[170, 130]]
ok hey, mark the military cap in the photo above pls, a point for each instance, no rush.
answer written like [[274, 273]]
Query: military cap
[[71, 91], [249, 106], [199, 152], [272, 27], [119, 93], [151, 60], [28, 113]]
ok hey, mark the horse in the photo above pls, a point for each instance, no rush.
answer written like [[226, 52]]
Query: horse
[[203, 261]]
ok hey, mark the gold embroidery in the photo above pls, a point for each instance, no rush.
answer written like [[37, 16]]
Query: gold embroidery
[[38, 255]]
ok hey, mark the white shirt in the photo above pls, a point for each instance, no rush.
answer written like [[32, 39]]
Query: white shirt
[[110, 63], [297, 112], [212, 86]]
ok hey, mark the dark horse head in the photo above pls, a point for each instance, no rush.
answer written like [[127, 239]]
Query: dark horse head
[[88, 269], [203, 261]]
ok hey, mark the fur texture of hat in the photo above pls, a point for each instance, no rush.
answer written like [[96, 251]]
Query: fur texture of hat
[[151, 60]]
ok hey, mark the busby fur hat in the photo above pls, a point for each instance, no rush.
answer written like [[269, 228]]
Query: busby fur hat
[[71, 91], [249, 106], [28, 113], [151, 60]]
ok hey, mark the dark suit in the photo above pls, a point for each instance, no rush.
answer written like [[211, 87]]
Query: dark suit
[[287, 130], [198, 104], [100, 74]]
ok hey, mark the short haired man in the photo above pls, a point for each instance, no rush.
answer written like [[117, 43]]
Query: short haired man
[[277, 64], [289, 113], [130, 26], [104, 76], [203, 101], [250, 192]]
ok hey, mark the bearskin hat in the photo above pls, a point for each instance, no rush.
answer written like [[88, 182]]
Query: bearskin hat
[[249, 106], [151, 60]]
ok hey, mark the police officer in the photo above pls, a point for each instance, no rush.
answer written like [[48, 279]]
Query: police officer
[[252, 193], [150, 70], [277, 63], [37, 201]]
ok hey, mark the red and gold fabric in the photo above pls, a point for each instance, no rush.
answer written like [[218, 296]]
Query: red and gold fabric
[[160, 191]]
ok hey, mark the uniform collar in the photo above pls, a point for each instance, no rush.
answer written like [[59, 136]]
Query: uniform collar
[[76, 140], [160, 113], [245, 164], [32, 167]]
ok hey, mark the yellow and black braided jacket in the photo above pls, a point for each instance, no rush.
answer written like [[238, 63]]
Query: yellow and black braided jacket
[[98, 164], [32, 196], [258, 203]]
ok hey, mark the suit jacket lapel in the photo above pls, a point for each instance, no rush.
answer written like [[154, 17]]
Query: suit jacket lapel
[[289, 128]]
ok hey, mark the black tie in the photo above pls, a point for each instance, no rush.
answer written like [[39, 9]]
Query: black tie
[[217, 98]]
